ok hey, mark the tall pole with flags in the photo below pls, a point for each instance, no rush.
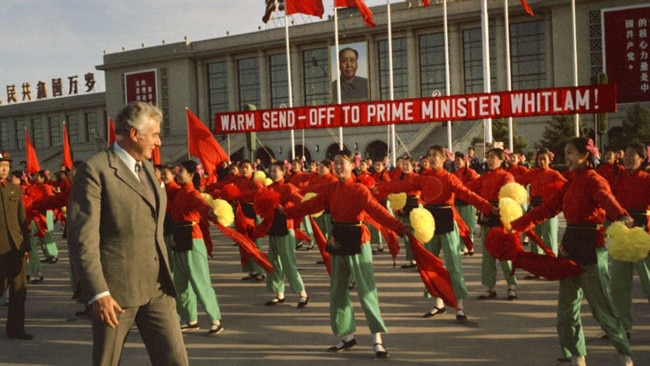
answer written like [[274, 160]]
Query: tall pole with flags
[[391, 83], [289, 84], [575, 60], [511, 140], [485, 32], [447, 70], [338, 71]]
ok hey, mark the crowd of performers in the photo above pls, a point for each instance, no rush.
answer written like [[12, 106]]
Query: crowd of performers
[[344, 207]]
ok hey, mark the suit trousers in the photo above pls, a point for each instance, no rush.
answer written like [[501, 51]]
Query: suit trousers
[[12, 276], [158, 326]]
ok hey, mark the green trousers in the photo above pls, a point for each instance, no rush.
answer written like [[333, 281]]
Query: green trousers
[[282, 255], [358, 266], [593, 284], [489, 265], [192, 280], [621, 286], [468, 214], [407, 247], [449, 243], [547, 231], [251, 266]]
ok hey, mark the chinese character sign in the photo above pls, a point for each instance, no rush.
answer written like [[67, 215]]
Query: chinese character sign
[[626, 49], [141, 86]]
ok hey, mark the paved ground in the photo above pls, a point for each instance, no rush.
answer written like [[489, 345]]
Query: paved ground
[[499, 332]]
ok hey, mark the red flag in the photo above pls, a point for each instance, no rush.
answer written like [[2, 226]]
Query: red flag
[[32, 160], [527, 8], [67, 154], [155, 156], [361, 6], [203, 145], [111, 132], [309, 7]]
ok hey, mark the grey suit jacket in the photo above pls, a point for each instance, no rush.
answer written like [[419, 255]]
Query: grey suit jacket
[[115, 233]]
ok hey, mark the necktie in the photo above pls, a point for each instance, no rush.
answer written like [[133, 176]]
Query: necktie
[[145, 181]]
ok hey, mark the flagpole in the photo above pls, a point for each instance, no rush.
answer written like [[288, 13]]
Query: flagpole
[[575, 61], [447, 70], [338, 70], [289, 85], [511, 142], [486, 64], [391, 85]]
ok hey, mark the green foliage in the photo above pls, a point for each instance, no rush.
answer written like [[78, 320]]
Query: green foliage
[[557, 133], [635, 128]]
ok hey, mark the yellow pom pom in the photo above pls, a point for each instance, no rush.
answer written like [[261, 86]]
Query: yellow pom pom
[[307, 197], [625, 244], [260, 176], [268, 181], [515, 191], [397, 201], [223, 211], [509, 210], [208, 199], [423, 224]]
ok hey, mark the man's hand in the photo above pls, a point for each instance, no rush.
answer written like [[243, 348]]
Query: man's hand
[[105, 308]]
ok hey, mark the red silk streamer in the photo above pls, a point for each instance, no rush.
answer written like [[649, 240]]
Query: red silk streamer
[[321, 242], [531, 234], [207, 239], [392, 240], [433, 274], [247, 247], [301, 235]]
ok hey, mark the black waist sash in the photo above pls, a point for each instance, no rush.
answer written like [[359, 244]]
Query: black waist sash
[[490, 220], [535, 201], [279, 226], [640, 217], [579, 243], [411, 203], [444, 217], [248, 210], [345, 239], [182, 234]]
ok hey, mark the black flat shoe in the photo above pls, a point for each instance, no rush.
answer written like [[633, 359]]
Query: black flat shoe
[[303, 302], [460, 316], [342, 346], [276, 301], [22, 336], [250, 276], [435, 311], [260, 277], [488, 295], [512, 295], [380, 351]]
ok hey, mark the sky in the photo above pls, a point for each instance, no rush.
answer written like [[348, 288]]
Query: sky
[[45, 39]]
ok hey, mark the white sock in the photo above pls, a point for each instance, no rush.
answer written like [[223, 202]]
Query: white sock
[[303, 293], [578, 361], [217, 323], [511, 287], [376, 338], [348, 337], [439, 303], [280, 295]]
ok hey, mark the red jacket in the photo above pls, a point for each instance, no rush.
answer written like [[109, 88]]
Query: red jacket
[[539, 180], [189, 206], [489, 184]]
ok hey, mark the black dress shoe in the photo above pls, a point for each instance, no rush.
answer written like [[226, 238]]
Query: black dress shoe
[[276, 300], [380, 351], [435, 311], [342, 346], [488, 295], [22, 336]]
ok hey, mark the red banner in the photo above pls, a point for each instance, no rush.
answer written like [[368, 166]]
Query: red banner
[[625, 43], [141, 87], [521, 103]]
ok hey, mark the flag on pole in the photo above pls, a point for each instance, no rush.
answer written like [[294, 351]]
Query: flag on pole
[[268, 12], [33, 165], [527, 8], [361, 6], [111, 132], [203, 145], [67, 153], [309, 7], [155, 156]]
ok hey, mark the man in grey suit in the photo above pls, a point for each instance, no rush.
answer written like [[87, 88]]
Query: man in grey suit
[[115, 238]]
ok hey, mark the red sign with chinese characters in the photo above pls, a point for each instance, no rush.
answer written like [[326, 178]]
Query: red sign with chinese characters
[[518, 103], [141, 87], [626, 49]]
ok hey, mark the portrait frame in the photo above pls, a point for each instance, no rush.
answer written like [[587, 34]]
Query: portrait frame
[[361, 73]]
